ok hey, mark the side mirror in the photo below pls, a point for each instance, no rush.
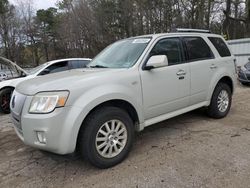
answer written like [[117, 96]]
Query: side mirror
[[156, 61], [45, 71]]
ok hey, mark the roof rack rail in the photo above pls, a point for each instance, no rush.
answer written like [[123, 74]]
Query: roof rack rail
[[184, 30]]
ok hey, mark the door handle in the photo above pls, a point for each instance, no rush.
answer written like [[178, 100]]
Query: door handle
[[181, 73], [213, 66]]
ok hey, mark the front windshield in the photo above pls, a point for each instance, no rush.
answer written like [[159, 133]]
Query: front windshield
[[37, 69], [121, 54]]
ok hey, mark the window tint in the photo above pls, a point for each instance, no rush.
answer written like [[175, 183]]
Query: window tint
[[57, 67], [197, 49], [220, 46], [76, 64], [171, 47]]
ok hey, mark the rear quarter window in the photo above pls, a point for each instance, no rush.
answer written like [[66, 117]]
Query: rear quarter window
[[76, 64], [197, 49], [220, 46]]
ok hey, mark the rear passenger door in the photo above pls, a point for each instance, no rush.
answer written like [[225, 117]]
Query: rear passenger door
[[202, 67]]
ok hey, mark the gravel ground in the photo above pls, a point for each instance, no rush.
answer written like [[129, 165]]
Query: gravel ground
[[191, 150]]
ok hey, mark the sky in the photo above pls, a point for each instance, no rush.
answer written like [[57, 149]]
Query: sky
[[38, 4]]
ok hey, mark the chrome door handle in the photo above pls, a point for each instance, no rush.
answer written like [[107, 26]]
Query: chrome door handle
[[181, 73], [213, 66]]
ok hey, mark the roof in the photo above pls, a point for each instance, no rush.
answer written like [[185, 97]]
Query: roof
[[158, 35]]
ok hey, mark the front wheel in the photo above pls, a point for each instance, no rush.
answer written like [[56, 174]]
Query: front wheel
[[221, 101], [107, 137], [5, 96]]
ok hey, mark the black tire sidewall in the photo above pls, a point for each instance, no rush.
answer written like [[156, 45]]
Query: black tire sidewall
[[3, 92], [93, 124]]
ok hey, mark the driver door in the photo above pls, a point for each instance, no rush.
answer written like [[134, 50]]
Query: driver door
[[166, 89]]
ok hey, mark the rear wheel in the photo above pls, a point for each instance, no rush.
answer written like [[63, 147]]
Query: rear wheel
[[107, 137], [5, 96], [220, 102]]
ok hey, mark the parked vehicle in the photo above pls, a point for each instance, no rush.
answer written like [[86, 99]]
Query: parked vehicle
[[12, 74], [244, 74], [132, 84]]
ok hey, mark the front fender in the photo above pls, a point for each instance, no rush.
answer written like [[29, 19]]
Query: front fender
[[96, 96], [12, 82], [101, 94]]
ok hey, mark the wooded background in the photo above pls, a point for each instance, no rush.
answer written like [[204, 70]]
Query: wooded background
[[82, 28]]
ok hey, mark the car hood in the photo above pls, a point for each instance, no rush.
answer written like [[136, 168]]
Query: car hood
[[62, 80]]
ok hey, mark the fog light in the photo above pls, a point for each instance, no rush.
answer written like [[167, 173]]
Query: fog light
[[41, 137]]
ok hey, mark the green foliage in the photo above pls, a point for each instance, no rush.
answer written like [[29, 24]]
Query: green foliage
[[4, 6]]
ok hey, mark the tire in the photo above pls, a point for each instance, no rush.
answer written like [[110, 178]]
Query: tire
[[90, 131], [5, 96], [216, 111]]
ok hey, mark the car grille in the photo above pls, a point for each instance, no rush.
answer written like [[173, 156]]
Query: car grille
[[16, 106]]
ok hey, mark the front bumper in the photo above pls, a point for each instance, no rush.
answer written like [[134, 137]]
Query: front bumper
[[244, 76], [60, 128]]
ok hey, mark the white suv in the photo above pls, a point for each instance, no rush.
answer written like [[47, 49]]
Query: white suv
[[132, 84]]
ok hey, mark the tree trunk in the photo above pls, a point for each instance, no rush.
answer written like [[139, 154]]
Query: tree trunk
[[226, 23], [208, 14]]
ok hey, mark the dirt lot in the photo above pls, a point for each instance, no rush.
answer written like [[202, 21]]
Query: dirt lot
[[187, 151]]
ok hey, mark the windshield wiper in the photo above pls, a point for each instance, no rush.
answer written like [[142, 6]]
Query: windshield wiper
[[98, 66]]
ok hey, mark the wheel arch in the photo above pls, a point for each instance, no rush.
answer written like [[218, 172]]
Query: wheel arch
[[7, 87], [227, 80], [120, 103], [222, 79]]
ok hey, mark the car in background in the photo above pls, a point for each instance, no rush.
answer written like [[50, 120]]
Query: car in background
[[11, 75], [244, 74]]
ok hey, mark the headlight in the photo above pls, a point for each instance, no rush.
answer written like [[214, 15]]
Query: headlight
[[46, 102]]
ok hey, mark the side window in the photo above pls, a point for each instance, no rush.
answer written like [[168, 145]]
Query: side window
[[220, 46], [197, 49], [76, 64], [172, 48], [57, 67]]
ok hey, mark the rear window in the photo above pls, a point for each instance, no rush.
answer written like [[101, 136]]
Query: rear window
[[76, 64], [197, 49], [220, 46]]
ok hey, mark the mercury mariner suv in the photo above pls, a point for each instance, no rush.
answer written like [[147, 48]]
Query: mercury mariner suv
[[130, 85]]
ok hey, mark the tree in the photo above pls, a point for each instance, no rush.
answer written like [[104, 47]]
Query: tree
[[46, 22]]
